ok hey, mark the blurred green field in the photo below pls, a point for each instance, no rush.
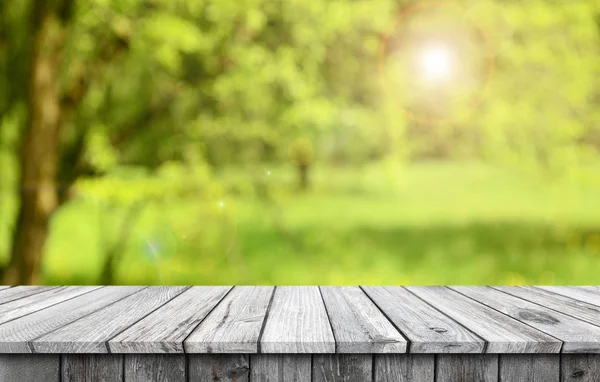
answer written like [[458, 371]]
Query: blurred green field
[[429, 223], [169, 139]]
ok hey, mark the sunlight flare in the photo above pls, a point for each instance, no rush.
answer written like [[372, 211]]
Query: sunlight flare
[[435, 63]]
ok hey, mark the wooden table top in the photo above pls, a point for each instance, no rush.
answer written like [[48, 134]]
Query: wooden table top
[[299, 319]]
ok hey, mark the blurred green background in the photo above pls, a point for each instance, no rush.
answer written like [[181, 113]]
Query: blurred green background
[[299, 142]]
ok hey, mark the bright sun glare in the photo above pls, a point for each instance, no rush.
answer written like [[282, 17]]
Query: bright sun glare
[[436, 62]]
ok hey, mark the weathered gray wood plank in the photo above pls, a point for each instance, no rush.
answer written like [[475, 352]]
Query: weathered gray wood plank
[[580, 367], [5, 286], [559, 303], [164, 330], [358, 325], [404, 367], [280, 367], [154, 367], [297, 323], [577, 293], [91, 333], [92, 368], [342, 367], [219, 367], [26, 305], [503, 334], [234, 325], [17, 292], [29, 368], [467, 368], [427, 329], [15, 335], [591, 288], [578, 336], [529, 367]]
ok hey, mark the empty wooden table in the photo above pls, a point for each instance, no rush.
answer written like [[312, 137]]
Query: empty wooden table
[[299, 333]]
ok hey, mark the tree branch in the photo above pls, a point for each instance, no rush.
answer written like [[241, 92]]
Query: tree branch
[[71, 165], [123, 135]]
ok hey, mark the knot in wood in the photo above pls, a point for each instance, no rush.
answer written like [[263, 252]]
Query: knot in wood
[[538, 317], [438, 330], [578, 374]]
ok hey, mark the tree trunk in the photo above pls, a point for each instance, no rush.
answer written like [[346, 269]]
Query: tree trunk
[[303, 175], [40, 143]]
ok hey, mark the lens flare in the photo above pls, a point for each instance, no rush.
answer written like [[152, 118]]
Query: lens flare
[[435, 62]]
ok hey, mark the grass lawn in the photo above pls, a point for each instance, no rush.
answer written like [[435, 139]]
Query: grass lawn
[[430, 223]]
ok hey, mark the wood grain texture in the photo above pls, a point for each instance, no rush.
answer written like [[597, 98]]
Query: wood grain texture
[[503, 334], [219, 367], [92, 368], [578, 309], [529, 367], [29, 368], [580, 367], [154, 367], [164, 330], [592, 288], [302, 320], [18, 292], [91, 333], [342, 367], [427, 329], [234, 325], [15, 335], [467, 368], [404, 367], [297, 323], [280, 367], [578, 336], [24, 306], [358, 325], [584, 294]]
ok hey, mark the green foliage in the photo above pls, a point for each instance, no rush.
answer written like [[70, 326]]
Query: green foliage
[[193, 73], [535, 66], [541, 109]]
